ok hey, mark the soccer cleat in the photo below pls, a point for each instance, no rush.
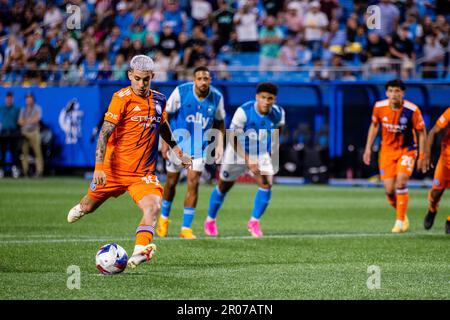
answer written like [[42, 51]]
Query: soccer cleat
[[144, 255], [254, 228], [429, 220], [211, 228], [163, 227], [398, 227], [405, 226], [187, 233], [447, 226], [75, 214]]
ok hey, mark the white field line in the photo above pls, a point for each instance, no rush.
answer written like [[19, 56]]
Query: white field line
[[58, 239]]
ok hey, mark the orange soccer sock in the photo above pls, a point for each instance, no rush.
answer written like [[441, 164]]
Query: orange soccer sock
[[402, 203], [392, 199], [433, 205], [144, 235]]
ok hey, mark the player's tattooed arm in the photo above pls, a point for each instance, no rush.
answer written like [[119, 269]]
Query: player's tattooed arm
[[105, 133]]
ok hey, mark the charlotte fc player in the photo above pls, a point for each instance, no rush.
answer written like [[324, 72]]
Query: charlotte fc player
[[193, 108], [441, 179], [251, 146], [399, 120]]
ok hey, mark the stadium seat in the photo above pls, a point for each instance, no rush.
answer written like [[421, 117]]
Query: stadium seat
[[382, 76]]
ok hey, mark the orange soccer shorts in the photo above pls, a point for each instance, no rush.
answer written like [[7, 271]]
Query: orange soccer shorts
[[116, 185], [393, 163], [442, 173]]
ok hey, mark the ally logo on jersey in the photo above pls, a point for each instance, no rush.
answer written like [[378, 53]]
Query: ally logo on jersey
[[190, 117], [198, 118]]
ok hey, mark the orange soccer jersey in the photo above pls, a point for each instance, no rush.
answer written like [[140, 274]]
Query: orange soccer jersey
[[132, 149], [133, 146], [442, 173], [398, 138]]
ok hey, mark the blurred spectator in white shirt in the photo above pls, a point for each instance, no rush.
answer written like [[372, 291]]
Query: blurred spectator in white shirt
[[315, 23]]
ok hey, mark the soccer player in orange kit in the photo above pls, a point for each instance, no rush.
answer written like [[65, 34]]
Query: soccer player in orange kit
[[399, 120], [126, 154], [441, 179]]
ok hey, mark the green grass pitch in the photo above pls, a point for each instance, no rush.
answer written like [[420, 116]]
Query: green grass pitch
[[319, 242]]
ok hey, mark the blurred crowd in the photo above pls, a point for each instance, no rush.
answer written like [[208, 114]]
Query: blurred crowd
[[41, 42]]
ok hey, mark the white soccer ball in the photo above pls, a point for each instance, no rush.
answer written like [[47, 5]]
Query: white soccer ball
[[111, 259]]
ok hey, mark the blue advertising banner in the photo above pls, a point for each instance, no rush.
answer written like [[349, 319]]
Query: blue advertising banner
[[337, 111], [70, 113]]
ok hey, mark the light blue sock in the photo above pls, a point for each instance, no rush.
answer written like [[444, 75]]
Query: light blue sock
[[262, 199], [188, 216], [215, 202], [165, 208]]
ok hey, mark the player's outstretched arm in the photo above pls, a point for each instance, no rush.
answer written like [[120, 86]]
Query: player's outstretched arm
[[164, 146], [105, 133], [166, 134], [421, 162], [373, 131], [429, 145]]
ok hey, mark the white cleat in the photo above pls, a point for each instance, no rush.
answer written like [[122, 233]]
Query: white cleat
[[75, 214], [139, 256]]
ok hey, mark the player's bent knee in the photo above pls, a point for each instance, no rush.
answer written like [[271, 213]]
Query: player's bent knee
[[266, 186], [150, 204], [225, 186], [193, 183], [172, 179], [436, 193], [401, 185]]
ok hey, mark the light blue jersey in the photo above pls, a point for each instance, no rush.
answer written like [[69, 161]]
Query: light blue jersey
[[190, 117], [257, 137]]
